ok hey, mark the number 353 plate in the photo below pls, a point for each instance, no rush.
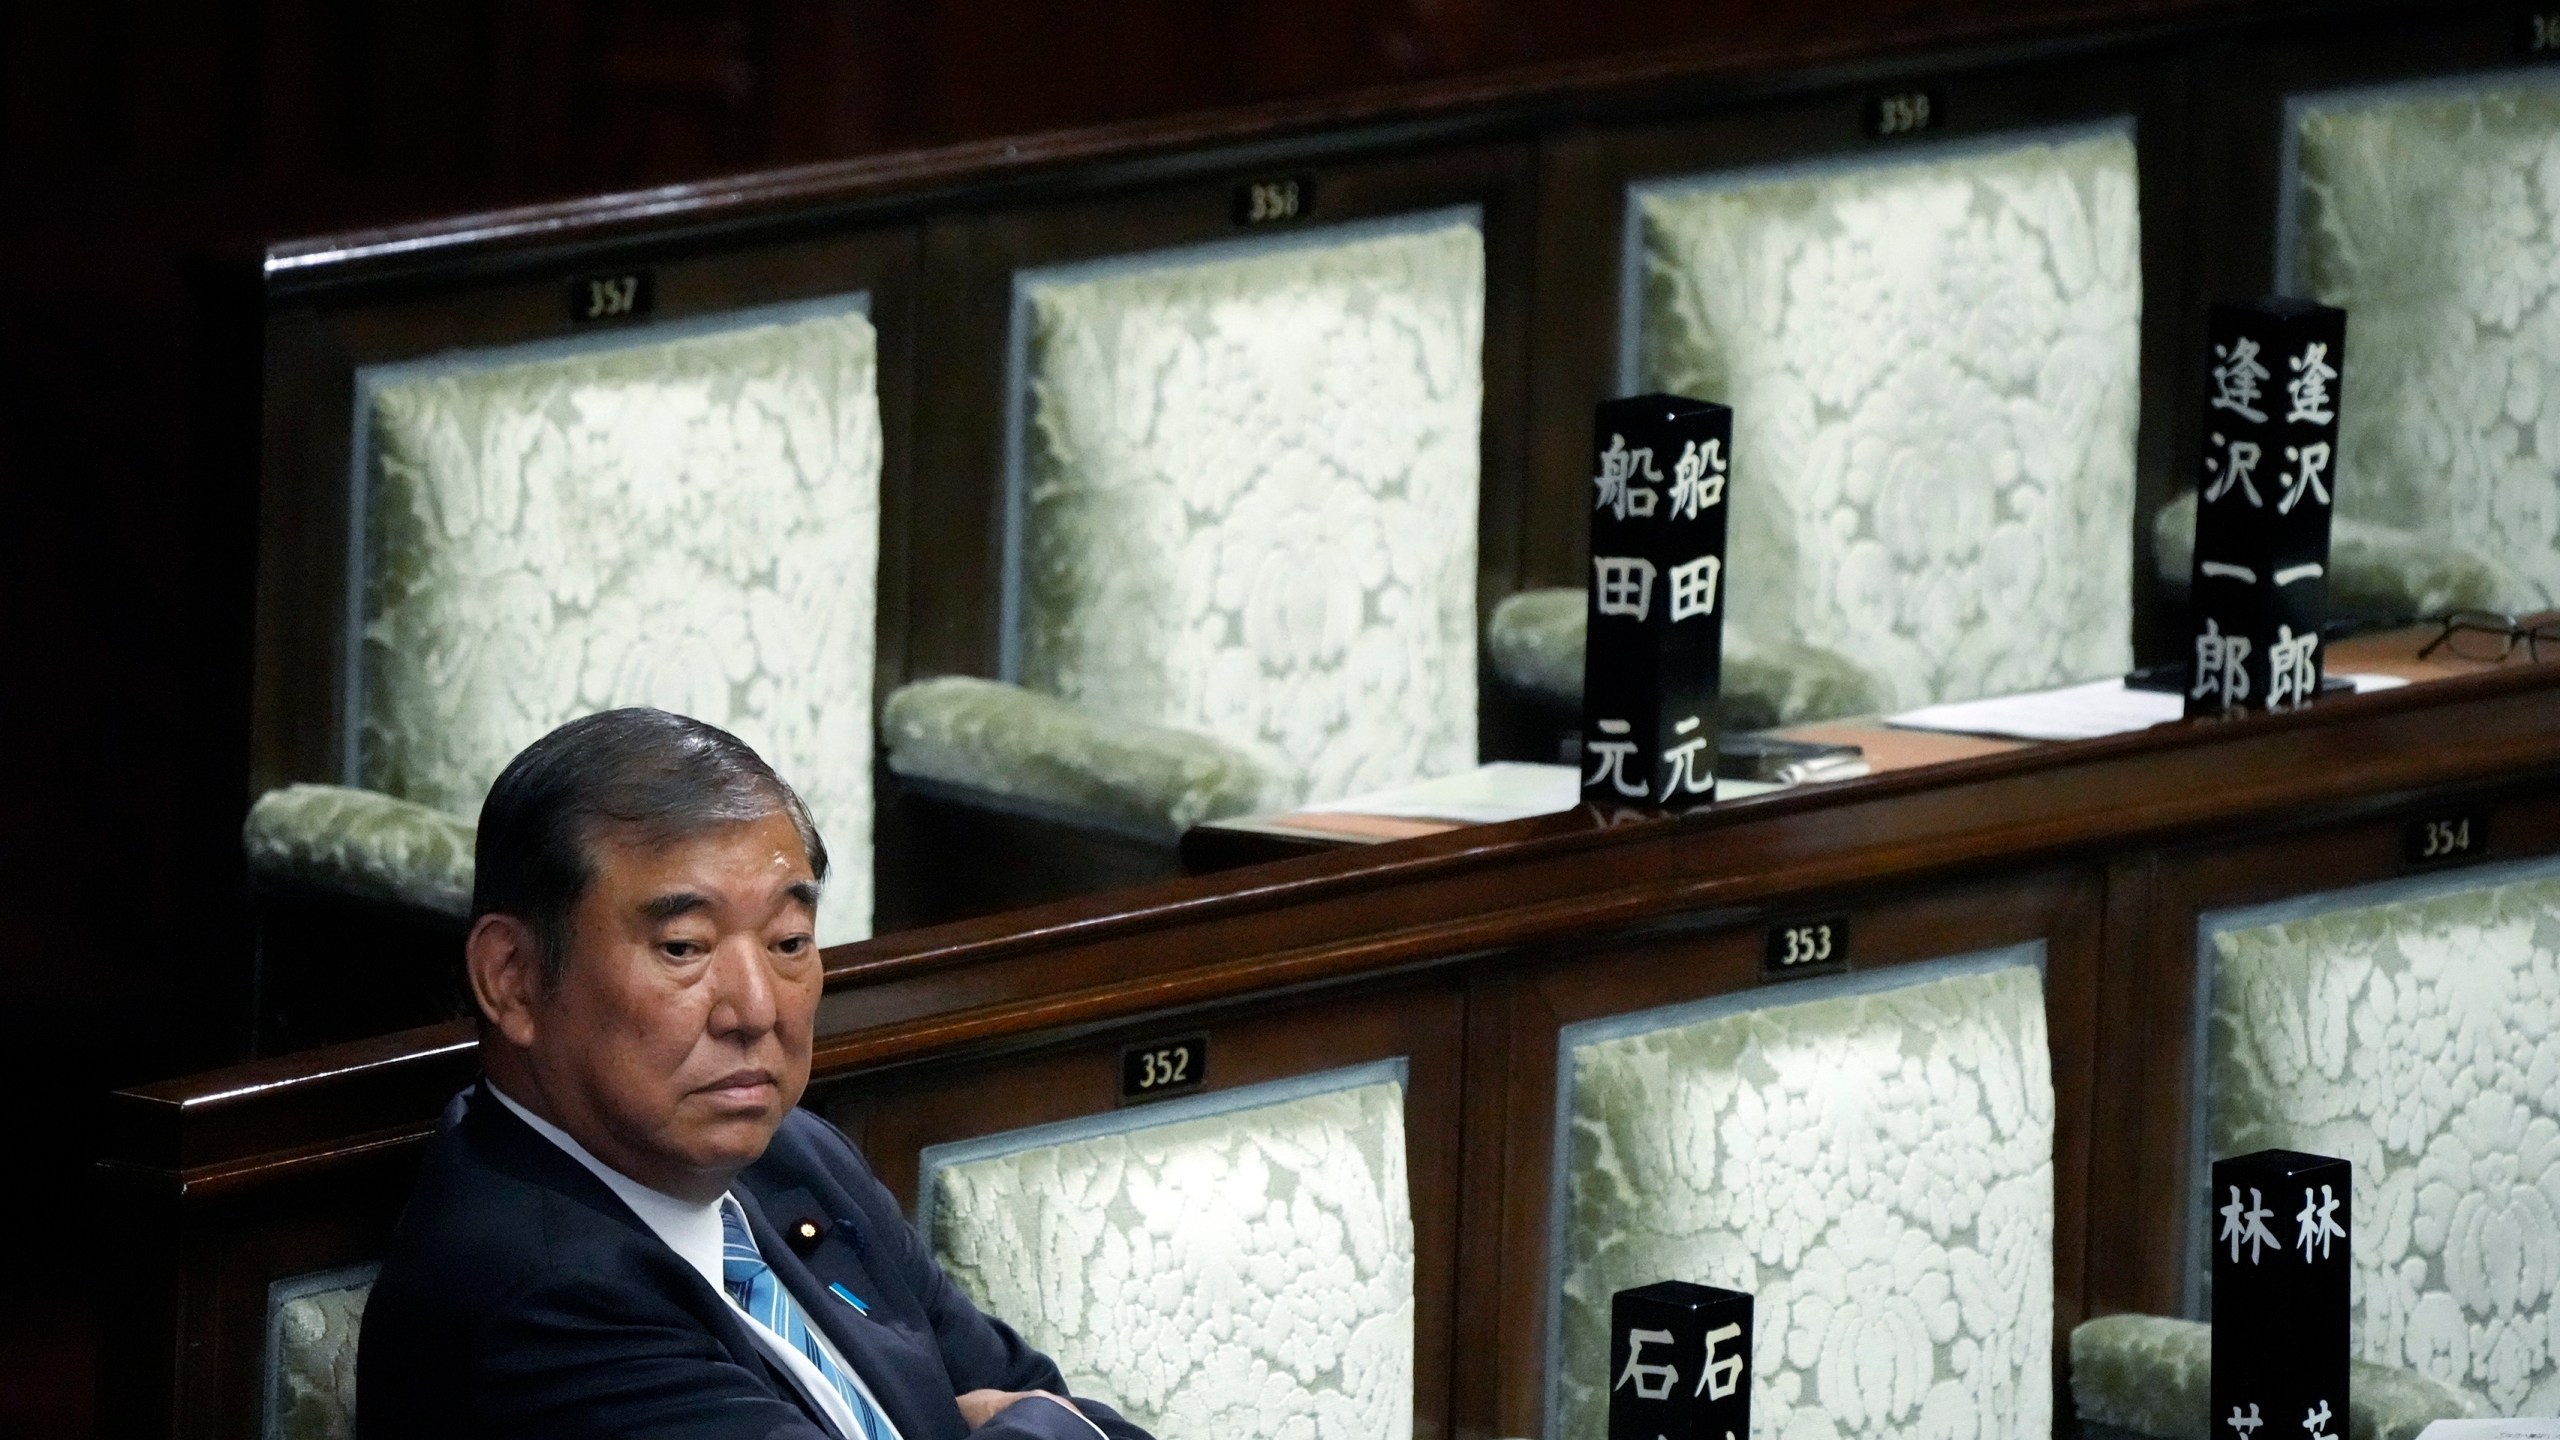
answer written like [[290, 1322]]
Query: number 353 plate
[[1814, 945]]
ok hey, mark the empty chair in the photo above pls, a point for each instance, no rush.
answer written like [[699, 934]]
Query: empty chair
[[1870, 1156], [1240, 1263], [1933, 363], [1243, 533], [2430, 213], [2412, 1028], [684, 517]]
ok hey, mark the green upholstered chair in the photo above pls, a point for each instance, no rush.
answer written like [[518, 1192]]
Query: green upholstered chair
[[683, 516], [312, 1325], [1237, 1263], [1871, 1156], [1243, 533], [1534, 642], [1933, 362], [2431, 212], [2412, 1028]]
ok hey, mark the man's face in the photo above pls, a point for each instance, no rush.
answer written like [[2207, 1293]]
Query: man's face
[[678, 1037]]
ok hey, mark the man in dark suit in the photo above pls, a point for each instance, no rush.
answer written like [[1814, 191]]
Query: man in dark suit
[[630, 1231]]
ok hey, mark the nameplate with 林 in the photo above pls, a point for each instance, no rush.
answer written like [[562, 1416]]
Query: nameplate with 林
[[1433, 954]]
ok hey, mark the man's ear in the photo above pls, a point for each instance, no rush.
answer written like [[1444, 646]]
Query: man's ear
[[505, 965]]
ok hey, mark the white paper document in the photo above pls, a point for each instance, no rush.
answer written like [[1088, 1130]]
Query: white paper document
[[1491, 794], [2074, 712]]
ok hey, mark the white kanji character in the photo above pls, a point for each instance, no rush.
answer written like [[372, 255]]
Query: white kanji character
[[1624, 585], [2236, 379], [2247, 1225], [1620, 467], [2309, 386], [2239, 459], [2316, 1420], [1693, 587], [2290, 675], [2222, 665], [2311, 460], [2319, 1222], [1697, 479], [1611, 758], [1653, 1382], [1693, 771], [2247, 1424], [1720, 1377]]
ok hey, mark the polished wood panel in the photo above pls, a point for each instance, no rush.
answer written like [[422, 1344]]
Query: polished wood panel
[[1463, 952]]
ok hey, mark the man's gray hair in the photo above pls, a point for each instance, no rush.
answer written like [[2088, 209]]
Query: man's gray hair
[[655, 776]]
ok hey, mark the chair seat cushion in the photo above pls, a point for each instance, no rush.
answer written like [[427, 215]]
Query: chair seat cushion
[[1021, 749], [337, 840]]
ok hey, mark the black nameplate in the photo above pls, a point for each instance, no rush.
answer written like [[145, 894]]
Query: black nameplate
[[1653, 654], [1905, 112], [2283, 1230], [2444, 840], [1679, 1363], [2538, 34], [1815, 946], [2259, 592], [1158, 1068], [602, 299], [1272, 202]]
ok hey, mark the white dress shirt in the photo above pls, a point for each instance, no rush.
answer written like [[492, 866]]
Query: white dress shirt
[[694, 1233]]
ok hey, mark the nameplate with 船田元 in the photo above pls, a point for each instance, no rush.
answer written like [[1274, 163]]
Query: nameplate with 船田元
[[1654, 634], [2260, 586]]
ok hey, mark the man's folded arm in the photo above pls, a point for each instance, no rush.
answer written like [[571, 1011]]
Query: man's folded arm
[[573, 1358]]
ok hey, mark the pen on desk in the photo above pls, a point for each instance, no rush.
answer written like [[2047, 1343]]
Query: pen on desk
[[1823, 767]]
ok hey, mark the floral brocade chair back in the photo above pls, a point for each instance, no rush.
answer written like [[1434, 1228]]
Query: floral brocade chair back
[[1934, 366], [1240, 1263], [2413, 1029], [1872, 1159], [2431, 213], [1246, 495], [686, 521]]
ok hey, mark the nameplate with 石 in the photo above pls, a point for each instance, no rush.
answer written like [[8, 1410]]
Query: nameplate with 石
[[1679, 1363], [2260, 587], [1653, 650]]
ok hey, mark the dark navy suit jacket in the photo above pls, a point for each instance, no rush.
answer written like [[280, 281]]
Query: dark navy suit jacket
[[522, 1298]]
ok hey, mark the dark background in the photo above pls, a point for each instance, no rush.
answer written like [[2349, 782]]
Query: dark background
[[137, 133]]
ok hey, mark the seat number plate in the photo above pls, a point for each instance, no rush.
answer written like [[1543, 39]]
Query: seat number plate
[[1816, 946], [1158, 1068], [2444, 840]]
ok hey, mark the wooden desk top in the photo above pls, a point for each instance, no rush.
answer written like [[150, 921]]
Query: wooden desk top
[[1247, 839]]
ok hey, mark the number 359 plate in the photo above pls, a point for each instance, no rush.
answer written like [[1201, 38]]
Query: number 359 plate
[[1818, 945]]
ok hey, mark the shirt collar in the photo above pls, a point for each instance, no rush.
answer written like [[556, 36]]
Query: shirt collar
[[692, 1231]]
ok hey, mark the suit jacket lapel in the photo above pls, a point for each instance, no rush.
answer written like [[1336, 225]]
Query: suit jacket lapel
[[862, 1341], [518, 1147]]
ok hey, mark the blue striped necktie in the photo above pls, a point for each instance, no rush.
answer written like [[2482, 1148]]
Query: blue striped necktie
[[752, 1284]]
